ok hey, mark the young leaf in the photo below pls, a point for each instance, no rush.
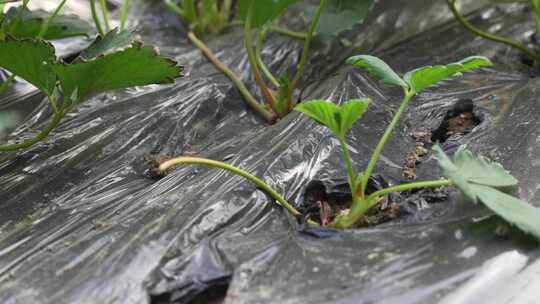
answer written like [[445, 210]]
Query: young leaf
[[133, 66], [339, 119], [515, 211], [478, 179], [379, 68], [424, 77], [340, 15], [31, 60], [29, 26], [112, 41], [264, 10], [466, 170]]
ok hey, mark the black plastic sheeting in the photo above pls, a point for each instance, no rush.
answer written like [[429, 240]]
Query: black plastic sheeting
[[80, 223]]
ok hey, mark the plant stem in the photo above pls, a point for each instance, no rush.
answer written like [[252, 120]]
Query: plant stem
[[15, 22], [258, 50], [248, 43], [45, 25], [288, 33], [348, 163], [124, 14], [275, 28], [221, 165], [105, 13], [96, 18], [383, 140], [2, 6], [52, 124], [175, 8], [305, 54], [373, 197], [225, 12], [361, 206], [5, 85], [191, 15], [486, 35], [248, 98]]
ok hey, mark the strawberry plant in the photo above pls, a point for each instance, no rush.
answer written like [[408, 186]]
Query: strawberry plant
[[479, 179], [111, 62], [531, 54], [20, 22], [278, 93]]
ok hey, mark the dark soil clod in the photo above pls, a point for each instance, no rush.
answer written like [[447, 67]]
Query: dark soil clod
[[152, 163]]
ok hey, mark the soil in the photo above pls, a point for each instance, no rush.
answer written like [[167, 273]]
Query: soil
[[457, 122], [323, 207], [152, 163]]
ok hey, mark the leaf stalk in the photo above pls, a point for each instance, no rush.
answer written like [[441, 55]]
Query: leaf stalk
[[221, 165]]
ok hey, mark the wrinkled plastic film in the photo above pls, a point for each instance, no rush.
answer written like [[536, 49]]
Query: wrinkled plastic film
[[79, 221]]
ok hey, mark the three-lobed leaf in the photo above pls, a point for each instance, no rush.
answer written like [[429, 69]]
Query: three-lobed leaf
[[263, 11], [479, 180], [35, 61], [339, 119], [379, 68], [465, 170], [423, 77], [134, 66], [417, 79]]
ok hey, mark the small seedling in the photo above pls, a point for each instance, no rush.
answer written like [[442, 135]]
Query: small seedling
[[533, 55], [204, 16], [479, 179], [111, 62], [278, 93]]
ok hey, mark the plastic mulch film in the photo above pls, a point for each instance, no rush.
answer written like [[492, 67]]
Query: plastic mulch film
[[81, 223]]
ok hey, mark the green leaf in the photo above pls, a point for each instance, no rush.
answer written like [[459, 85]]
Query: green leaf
[[424, 77], [134, 66], [379, 68], [264, 10], [515, 211], [111, 42], [31, 60], [465, 169], [29, 26], [341, 15], [339, 119], [479, 178]]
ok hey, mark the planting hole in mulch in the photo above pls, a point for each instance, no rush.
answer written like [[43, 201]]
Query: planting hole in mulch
[[322, 205], [458, 121]]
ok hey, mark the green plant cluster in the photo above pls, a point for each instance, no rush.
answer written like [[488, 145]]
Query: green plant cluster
[[278, 92], [112, 61]]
